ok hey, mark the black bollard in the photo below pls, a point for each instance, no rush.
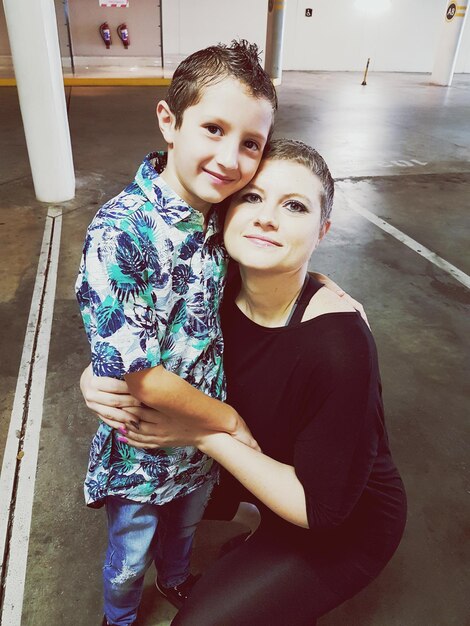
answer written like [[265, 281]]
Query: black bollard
[[365, 73]]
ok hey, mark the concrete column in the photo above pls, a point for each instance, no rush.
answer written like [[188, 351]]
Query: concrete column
[[450, 36], [275, 39], [34, 42]]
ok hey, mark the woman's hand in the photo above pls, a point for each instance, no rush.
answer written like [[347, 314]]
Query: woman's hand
[[330, 284], [108, 398]]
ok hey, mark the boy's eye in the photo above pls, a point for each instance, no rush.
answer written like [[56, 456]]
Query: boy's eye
[[251, 198], [251, 145], [213, 129], [296, 207]]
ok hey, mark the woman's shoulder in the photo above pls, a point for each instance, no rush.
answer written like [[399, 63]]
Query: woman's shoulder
[[339, 333], [326, 301]]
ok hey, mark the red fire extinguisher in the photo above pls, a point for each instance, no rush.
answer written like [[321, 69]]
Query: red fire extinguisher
[[124, 35], [105, 33]]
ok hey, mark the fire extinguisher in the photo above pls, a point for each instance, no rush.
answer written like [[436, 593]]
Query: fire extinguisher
[[124, 35], [105, 33]]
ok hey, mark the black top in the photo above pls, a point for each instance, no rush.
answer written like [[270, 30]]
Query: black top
[[310, 392]]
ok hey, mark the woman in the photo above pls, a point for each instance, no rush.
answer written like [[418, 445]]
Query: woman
[[302, 370]]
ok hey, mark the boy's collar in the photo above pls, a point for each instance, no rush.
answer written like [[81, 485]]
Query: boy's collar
[[171, 207]]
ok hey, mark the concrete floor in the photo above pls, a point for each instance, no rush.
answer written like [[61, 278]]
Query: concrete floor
[[402, 151]]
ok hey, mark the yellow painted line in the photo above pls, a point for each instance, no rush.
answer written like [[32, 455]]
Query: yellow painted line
[[461, 7], [460, 15], [77, 81], [90, 82]]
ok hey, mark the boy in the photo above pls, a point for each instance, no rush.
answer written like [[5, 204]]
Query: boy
[[149, 289]]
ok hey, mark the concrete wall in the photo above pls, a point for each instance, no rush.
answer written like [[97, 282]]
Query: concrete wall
[[142, 18], [189, 25], [338, 36], [397, 35]]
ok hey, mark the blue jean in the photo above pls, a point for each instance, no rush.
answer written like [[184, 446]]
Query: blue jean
[[133, 543]]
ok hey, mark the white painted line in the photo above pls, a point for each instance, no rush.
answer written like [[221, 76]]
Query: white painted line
[[12, 447], [408, 241], [29, 397]]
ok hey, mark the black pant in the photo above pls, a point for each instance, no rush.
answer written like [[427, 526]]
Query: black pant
[[255, 584], [271, 580]]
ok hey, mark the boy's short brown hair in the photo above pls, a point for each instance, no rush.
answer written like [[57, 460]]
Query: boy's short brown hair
[[205, 67]]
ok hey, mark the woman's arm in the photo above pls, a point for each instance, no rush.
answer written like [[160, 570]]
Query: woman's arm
[[273, 483]]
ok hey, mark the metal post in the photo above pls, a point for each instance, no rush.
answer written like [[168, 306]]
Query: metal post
[[67, 24], [364, 82], [450, 36], [34, 42], [161, 32], [274, 39]]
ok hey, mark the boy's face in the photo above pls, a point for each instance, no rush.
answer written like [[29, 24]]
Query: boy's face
[[217, 149]]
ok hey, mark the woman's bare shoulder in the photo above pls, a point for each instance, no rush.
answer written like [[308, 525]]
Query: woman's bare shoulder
[[326, 301]]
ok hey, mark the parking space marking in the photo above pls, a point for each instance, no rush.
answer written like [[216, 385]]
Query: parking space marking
[[19, 466], [428, 254]]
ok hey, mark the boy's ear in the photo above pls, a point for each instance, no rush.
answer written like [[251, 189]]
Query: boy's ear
[[166, 121]]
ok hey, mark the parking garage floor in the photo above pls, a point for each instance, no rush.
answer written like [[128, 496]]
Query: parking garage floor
[[400, 151]]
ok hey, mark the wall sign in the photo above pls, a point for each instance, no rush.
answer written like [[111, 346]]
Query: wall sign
[[451, 11], [114, 3], [308, 12]]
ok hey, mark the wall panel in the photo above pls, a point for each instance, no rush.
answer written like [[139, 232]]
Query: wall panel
[[340, 36], [190, 25], [142, 18]]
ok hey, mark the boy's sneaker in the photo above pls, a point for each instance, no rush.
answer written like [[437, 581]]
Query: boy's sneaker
[[178, 594]]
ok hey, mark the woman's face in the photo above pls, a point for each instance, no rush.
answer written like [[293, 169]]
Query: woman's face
[[274, 222]]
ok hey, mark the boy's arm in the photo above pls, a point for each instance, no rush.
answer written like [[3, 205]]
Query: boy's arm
[[166, 392]]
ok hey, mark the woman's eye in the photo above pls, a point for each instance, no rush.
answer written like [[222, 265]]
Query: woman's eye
[[251, 198], [252, 145], [296, 207], [213, 129]]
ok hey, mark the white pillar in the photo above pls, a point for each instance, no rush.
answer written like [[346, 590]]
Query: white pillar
[[34, 42], [450, 35], [275, 39]]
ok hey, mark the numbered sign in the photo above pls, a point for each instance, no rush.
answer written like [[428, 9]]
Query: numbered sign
[[114, 3], [451, 11]]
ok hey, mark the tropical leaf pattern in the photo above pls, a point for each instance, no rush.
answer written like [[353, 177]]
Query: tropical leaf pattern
[[149, 289], [109, 317]]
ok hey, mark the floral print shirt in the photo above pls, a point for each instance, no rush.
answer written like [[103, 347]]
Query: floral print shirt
[[149, 289]]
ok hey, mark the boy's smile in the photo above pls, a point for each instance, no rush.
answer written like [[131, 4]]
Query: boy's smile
[[217, 149]]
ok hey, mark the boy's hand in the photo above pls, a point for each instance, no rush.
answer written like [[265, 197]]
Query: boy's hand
[[110, 399], [330, 284], [149, 428], [107, 397]]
